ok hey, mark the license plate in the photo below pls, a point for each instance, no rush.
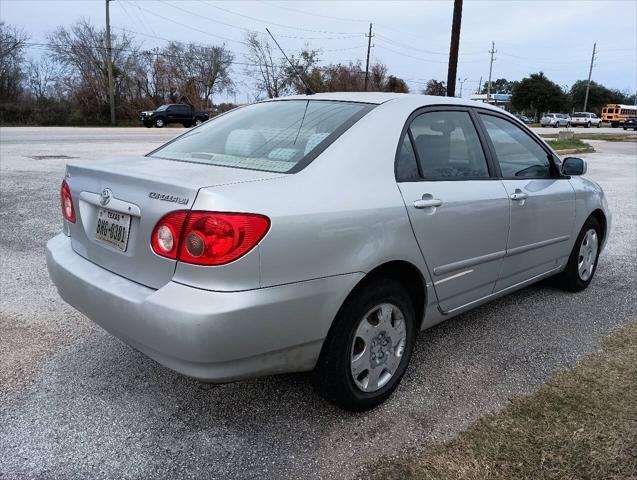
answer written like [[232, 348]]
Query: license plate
[[113, 228]]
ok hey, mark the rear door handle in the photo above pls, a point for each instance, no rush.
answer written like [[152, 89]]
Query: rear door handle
[[428, 203], [519, 195]]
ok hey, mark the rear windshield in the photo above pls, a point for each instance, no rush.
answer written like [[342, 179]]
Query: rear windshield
[[278, 136], [579, 115]]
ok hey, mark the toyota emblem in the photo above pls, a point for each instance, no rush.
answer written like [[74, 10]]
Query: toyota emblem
[[106, 195]]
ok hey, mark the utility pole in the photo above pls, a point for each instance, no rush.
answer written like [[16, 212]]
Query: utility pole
[[479, 86], [461, 82], [590, 72], [493, 51], [369, 47], [453, 48], [109, 63]]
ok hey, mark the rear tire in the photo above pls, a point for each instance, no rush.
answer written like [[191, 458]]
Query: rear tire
[[588, 125], [384, 348], [582, 262]]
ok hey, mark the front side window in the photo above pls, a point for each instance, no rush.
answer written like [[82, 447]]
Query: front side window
[[517, 153], [448, 145], [272, 136]]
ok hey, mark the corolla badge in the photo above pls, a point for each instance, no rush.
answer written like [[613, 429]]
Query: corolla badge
[[169, 198], [105, 196]]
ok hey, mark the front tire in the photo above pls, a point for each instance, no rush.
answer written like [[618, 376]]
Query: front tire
[[582, 262], [159, 122], [367, 351]]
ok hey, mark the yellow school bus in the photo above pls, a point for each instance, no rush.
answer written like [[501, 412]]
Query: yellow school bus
[[615, 114]]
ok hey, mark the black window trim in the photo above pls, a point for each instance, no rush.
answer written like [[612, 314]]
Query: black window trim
[[493, 173], [550, 155]]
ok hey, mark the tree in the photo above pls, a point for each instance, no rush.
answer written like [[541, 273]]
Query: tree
[[598, 96], [436, 88], [12, 44], [396, 85], [269, 74], [197, 72], [537, 94], [501, 85], [81, 51], [41, 76]]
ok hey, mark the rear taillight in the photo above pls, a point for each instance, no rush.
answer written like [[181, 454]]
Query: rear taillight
[[66, 202], [165, 239], [208, 238]]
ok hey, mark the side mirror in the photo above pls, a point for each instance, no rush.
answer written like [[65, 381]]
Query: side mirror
[[573, 166]]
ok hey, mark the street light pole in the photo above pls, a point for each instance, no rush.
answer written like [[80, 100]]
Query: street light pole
[[461, 82]]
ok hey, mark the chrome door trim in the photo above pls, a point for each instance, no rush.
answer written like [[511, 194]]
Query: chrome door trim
[[533, 246], [461, 274], [469, 262], [501, 292]]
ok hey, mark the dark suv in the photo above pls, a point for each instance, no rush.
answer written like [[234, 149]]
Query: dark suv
[[173, 113]]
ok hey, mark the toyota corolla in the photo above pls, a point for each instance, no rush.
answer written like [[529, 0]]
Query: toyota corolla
[[321, 233]]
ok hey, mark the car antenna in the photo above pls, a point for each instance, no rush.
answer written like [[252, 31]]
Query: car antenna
[[308, 90]]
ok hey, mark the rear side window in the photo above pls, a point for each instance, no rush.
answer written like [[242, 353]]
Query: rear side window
[[517, 153], [407, 165], [272, 136], [448, 146]]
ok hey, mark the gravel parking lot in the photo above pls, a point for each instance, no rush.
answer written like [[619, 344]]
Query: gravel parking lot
[[77, 403]]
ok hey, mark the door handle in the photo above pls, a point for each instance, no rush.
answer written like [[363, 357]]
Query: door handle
[[519, 195], [427, 203]]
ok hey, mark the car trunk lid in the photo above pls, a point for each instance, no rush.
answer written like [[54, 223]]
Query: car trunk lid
[[133, 194]]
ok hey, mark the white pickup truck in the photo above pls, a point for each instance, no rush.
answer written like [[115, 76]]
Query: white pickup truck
[[586, 119]]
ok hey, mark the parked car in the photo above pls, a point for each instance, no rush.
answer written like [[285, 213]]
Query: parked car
[[555, 120], [586, 119], [173, 113], [524, 118], [630, 122], [321, 233]]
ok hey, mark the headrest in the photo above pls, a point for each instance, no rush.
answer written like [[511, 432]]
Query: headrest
[[283, 154], [244, 143], [314, 140], [443, 127]]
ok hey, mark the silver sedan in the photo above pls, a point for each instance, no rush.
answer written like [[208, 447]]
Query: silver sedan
[[321, 233]]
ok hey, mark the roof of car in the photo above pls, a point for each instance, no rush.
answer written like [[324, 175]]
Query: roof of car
[[381, 97]]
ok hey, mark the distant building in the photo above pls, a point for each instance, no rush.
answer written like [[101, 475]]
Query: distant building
[[502, 100]]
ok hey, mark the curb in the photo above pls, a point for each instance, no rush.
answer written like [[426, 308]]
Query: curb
[[574, 150]]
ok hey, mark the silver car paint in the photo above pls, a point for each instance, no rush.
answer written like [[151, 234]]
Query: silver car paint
[[332, 223]]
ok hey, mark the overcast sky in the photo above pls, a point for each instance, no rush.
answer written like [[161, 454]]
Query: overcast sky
[[411, 38]]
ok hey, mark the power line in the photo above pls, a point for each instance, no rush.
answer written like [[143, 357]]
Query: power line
[[330, 17], [280, 24], [191, 27]]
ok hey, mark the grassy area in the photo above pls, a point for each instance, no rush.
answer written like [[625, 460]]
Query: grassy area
[[582, 424], [569, 144]]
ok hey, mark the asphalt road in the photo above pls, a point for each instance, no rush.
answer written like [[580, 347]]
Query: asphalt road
[[77, 403]]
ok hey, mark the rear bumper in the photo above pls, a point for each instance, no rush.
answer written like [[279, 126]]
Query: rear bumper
[[212, 336]]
